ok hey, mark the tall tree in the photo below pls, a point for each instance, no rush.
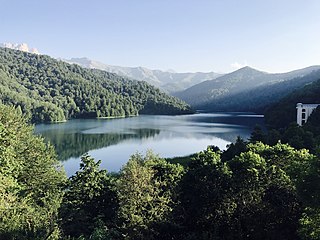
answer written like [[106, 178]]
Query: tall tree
[[205, 207], [146, 194], [30, 181], [90, 200]]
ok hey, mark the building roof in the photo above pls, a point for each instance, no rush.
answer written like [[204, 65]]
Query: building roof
[[310, 105]]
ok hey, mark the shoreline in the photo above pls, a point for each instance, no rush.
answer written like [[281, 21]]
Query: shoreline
[[112, 117]]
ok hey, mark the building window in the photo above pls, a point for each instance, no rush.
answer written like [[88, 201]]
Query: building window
[[303, 110], [303, 115], [303, 121]]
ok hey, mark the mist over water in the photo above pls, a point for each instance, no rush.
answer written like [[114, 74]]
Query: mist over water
[[114, 140]]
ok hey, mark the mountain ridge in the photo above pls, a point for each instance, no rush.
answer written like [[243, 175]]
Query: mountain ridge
[[242, 80], [168, 81]]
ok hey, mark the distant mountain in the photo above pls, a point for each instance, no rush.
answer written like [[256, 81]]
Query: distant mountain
[[169, 81], [260, 98], [20, 46], [47, 90], [246, 89]]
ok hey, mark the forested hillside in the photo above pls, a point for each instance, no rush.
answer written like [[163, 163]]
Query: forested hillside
[[281, 117], [260, 98], [246, 89], [284, 112], [47, 90]]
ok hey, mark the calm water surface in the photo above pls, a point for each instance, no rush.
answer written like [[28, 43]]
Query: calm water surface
[[115, 140]]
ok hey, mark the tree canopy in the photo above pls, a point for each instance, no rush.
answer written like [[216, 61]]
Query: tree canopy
[[249, 191], [30, 181]]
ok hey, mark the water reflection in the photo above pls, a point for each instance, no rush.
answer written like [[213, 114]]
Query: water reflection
[[76, 144], [114, 140]]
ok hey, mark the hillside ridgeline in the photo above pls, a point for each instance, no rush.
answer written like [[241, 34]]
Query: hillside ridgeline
[[247, 89], [47, 90], [168, 81]]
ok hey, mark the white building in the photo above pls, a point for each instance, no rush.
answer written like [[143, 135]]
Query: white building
[[304, 111]]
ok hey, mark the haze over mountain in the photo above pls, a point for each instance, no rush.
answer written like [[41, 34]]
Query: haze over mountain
[[246, 89], [20, 46], [169, 81]]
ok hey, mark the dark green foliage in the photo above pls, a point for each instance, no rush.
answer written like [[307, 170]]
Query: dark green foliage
[[234, 149], [257, 135], [308, 186], [298, 137], [309, 190], [30, 181], [281, 120], [310, 223], [273, 136], [47, 90], [314, 119], [205, 206], [249, 196], [281, 114], [90, 200], [305, 173], [313, 123]]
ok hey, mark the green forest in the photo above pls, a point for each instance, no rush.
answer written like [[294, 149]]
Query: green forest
[[48, 90], [274, 114], [281, 117], [260, 98], [252, 190]]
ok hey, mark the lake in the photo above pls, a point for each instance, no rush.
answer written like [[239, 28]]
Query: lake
[[114, 140]]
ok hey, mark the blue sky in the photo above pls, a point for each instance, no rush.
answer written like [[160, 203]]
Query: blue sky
[[184, 35]]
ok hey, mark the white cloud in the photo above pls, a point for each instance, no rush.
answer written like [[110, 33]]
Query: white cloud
[[34, 50], [237, 65], [22, 47]]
